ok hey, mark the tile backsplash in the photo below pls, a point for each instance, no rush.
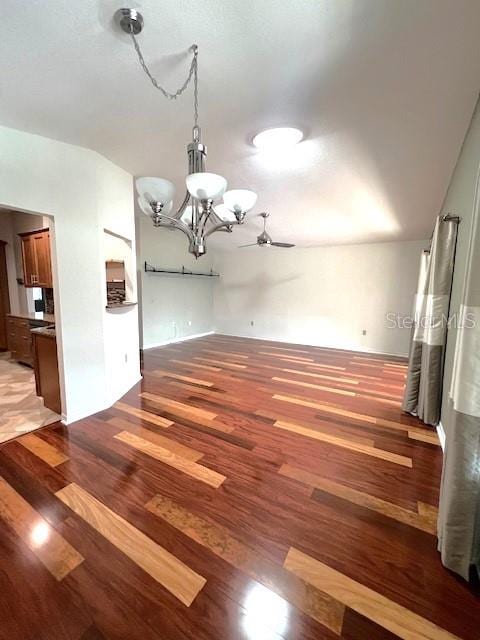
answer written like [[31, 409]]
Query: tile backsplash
[[48, 299], [115, 292]]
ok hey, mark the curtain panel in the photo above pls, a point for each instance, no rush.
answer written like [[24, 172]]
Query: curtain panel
[[423, 390], [459, 512]]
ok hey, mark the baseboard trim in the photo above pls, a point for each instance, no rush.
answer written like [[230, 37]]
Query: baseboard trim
[[441, 435], [174, 340], [320, 346]]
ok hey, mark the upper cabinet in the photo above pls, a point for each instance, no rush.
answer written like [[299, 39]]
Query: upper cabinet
[[37, 268]]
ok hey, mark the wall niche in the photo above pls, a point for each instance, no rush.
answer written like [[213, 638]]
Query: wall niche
[[119, 270]]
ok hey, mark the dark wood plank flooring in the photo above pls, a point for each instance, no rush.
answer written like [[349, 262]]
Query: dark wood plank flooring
[[245, 489]]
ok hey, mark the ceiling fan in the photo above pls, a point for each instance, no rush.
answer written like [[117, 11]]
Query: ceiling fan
[[264, 240]]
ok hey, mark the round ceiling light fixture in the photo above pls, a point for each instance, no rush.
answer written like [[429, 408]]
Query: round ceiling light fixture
[[278, 138]]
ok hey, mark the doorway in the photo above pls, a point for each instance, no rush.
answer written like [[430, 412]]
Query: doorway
[[4, 297], [29, 378]]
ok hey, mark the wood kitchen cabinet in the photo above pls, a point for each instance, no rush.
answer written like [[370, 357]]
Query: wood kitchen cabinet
[[37, 268], [19, 340], [19, 334], [46, 368]]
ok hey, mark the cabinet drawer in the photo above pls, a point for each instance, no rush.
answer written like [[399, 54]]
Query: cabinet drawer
[[19, 339], [18, 322], [12, 341], [24, 332]]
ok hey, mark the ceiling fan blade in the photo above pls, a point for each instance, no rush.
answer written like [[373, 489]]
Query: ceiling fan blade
[[253, 244], [285, 245]]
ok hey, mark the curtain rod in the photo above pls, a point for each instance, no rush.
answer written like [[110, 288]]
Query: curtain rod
[[451, 218]]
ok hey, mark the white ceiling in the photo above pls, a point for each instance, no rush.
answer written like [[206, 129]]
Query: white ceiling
[[384, 90]]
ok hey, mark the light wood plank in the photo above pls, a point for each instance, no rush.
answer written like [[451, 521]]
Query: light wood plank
[[388, 614], [43, 450], [395, 458], [55, 553], [167, 443], [194, 365], [417, 520], [321, 376], [287, 349], [184, 583], [285, 357], [324, 427], [192, 469], [226, 353], [429, 514], [146, 416], [221, 363], [310, 385], [382, 422], [162, 374], [382, 361], [257, 566], [185, 411], [176, 406], [326, 366], [369, 365], [324, 407], [430, 437]]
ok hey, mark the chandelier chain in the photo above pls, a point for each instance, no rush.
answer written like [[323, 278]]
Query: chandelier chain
[[192, 73]]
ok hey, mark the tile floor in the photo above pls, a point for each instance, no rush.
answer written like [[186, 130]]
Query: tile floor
[[21, 410]]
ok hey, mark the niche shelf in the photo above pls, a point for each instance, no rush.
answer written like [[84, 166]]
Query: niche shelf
[[118, 271], [181, 272]]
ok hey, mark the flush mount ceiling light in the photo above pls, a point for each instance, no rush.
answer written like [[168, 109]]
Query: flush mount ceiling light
[[196, 217], [278, 139]]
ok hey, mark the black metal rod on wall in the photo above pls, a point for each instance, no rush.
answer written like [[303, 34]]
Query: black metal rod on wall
[[181, 272]]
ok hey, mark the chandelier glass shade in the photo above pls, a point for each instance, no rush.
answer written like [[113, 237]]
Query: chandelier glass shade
[[206, 186], [198, 215]]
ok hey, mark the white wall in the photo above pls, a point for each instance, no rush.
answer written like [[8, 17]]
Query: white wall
[[85, 194], [7, 233], [173, 306], [319, 296], [459, 201]]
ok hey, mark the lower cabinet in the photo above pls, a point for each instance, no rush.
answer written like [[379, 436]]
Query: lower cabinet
[[46, 370], [19, 340]]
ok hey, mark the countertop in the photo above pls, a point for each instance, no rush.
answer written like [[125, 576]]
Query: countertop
[[48, 332], [38, 317]]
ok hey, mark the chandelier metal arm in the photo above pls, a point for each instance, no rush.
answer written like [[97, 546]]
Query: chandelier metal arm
[[178, 224], [215, 217], [221, 226], [182, 207]]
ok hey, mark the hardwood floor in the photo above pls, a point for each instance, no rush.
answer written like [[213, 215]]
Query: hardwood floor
[[244, 490]]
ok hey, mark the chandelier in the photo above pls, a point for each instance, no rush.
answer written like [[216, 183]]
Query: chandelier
[[197, 216]]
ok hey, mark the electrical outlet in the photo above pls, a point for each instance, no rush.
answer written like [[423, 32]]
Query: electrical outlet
[[189, 323], [251, 323]]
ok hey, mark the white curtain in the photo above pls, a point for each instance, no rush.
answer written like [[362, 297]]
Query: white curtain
[[423, 390], [459, 513]]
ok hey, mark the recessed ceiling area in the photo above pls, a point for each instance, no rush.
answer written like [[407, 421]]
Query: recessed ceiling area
[[382, 90]]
